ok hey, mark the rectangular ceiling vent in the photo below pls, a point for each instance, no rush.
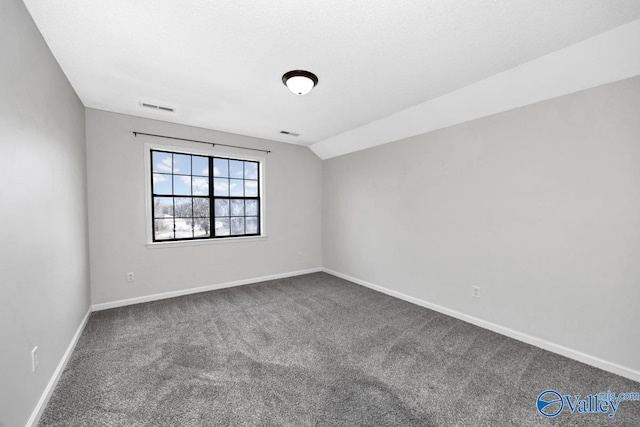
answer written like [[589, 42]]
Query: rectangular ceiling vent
[[289, 133], [156, 107]]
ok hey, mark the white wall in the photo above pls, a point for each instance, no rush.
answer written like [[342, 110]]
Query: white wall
[[539, 206], [117, 214], [44, 285]]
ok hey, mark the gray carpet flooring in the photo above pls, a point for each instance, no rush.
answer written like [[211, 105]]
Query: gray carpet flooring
[[312, 350]]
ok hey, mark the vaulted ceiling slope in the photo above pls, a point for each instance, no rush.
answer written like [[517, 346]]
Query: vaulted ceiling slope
[[386, 69]]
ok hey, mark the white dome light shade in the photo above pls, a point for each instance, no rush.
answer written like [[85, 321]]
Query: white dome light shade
[[300, 82], [300, 85]]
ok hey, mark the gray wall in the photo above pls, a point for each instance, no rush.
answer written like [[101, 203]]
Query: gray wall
[[539, 206], [44, 287], [117, 214]]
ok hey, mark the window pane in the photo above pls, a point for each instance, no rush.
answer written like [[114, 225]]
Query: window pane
[[162, 207], [182, 164], [182, 185], [161, 162], [200, 186], [221, 167], [221, 207], [184, 228], [221, 187], [200, 166], [236, 169], [235, 187], [183, 207], [251, 170], [201, 207], [252, 225], [222, 226], [161, 184], [251, 207], [201, 227], [251, 188], [237, 207], [163, 229], [237, 226]]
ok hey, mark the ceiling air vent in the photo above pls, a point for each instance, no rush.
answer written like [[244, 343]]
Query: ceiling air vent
[[156, 107], [289, 133]]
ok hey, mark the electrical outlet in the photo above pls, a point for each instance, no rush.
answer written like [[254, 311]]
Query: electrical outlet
[[131, 277], [299, 256], [34, 359], [475, 291]]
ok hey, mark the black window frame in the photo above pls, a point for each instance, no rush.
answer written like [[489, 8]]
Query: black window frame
[[211, 197]]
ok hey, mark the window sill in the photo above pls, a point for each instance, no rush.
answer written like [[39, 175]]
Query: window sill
[[186, 243]]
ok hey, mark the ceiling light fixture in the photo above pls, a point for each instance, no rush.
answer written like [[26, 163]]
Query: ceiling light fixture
[[300, 82]]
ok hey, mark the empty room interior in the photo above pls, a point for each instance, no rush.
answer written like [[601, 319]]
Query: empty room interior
[[320, 213]]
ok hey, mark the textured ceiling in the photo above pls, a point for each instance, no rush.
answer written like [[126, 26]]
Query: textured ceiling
[[219, 63]]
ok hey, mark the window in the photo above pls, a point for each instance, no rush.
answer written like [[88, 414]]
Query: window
[[203, 197]]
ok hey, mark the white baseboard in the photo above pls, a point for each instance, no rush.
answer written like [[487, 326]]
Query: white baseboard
[[173, 294], [44, 399], [605, 365]]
